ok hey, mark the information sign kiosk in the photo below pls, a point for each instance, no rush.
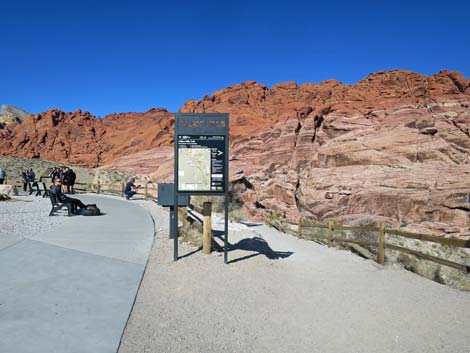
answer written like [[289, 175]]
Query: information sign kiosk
[[201, 160]]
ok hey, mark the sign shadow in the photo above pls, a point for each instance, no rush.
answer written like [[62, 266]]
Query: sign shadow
[[256, 244]]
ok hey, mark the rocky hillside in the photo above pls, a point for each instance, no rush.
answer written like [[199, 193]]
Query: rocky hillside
[[394, 145], [10, 114], [82, 139], [14, 166]]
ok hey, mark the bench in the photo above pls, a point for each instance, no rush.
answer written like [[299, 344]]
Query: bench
[[47, 193], [36, 185], [57, 206]]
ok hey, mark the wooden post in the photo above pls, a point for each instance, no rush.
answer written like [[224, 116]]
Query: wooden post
[[145, 191], [330, 233], [184, 217], [299, 228], [98, 188], [381, 255], [207, 228], [122, 189]]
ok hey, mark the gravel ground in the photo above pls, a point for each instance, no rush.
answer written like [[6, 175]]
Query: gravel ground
[[27, 216], [281, 294]]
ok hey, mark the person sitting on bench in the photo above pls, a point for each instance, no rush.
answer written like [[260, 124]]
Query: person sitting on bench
[[56, 189]]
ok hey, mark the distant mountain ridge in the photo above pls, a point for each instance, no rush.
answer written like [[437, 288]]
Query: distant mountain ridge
[[10, 114]]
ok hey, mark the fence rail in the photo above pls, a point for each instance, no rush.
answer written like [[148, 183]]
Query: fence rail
[[301, 230], [148, 190]]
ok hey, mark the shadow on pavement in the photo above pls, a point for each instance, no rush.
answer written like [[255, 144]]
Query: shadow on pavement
[[255, 244]]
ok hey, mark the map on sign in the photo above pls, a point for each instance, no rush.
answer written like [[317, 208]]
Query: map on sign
[[194, 171], [201, 163]]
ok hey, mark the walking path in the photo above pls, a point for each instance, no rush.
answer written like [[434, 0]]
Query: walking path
[[281, 294], [70, 288]]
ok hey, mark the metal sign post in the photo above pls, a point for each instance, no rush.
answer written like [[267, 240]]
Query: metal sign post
[[201, 161]]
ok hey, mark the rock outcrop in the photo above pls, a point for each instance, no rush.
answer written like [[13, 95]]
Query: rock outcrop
[[81, 139], [10, 114], [8, 190], [394, 145]]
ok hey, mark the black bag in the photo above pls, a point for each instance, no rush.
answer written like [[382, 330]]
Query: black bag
[[90, 210]]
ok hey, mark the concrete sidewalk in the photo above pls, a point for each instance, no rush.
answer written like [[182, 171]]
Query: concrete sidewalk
[[71, 289]]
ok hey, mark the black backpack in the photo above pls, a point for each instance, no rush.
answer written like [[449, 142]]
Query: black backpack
[[90, 210]]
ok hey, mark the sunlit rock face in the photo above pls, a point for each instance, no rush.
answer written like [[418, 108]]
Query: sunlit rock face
[[82, 139], [10, 115], [394, 145]]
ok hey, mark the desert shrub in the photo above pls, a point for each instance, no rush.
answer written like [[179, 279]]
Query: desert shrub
[[363, 235], [191, 235]]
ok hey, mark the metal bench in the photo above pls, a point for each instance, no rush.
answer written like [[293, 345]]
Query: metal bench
[[57, 206], [46, 193], [34, 185]]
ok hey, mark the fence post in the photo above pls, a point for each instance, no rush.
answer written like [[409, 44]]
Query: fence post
[[145, 191], [184, 217], [98, 188], [299, 228], [381, 251], [207, 228], [122, 189], [330, 233]]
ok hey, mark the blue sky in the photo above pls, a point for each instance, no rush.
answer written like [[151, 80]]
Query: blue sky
[[119, 56]]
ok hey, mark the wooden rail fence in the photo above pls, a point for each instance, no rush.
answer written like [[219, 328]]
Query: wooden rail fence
[[303, 225], [202, 224], [148, 190]]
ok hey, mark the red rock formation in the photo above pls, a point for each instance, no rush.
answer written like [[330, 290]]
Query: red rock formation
[[81, 139], [394, 145]]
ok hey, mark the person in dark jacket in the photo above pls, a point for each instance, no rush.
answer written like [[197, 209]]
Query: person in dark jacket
[[73, 178], [3, 175], [67, 180], [56, 190], [30, 177], [24, 180], [54, 173], [130, 188]]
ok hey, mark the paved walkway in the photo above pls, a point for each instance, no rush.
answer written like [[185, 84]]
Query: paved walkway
[[71, 289]]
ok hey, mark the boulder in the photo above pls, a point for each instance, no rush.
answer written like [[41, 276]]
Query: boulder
[[4, 197], [9, 190]]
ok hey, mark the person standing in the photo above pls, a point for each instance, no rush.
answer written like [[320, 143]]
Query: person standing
[[53, 173], [73, 177], [3, 175], [62, 176], [67, 179], [24, 180], [31, 176]]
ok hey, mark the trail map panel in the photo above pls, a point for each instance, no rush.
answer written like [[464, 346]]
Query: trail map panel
[[201, 163]]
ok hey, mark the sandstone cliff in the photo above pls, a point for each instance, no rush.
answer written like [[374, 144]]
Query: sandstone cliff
[[394, 145], [81, 139]]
